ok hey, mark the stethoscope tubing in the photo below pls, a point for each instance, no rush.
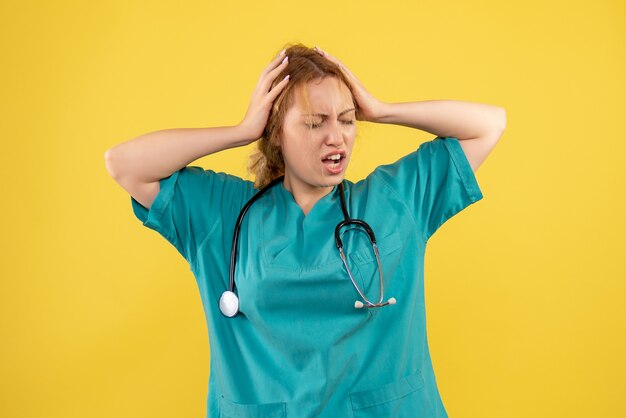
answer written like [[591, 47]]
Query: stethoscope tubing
[[233, 251], [229, 301]]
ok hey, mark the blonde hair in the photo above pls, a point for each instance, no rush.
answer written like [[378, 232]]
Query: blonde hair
[[304, 65]]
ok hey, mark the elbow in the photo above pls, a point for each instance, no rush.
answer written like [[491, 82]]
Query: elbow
[[496, 125], [500, 119], [109, 162]]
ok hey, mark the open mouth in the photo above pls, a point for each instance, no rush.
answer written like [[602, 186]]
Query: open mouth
[[334, 162]]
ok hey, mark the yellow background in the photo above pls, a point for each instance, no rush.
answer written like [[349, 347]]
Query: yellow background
[[525, 290]]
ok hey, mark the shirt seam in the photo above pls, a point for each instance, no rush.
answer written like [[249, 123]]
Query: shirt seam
[[472, 194], [202, 243], [406, 207]]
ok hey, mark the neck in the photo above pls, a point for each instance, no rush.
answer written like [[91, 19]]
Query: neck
[[306, 196]]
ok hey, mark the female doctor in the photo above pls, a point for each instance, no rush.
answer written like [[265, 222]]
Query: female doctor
[[314, 290]]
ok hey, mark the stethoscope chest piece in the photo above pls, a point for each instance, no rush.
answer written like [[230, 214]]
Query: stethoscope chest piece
[[229, 304]]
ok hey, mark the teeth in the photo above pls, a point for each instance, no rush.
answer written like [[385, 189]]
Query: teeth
[[335, 157]]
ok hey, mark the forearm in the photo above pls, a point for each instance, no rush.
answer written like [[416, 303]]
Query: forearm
[[459, 119], [156, 155]]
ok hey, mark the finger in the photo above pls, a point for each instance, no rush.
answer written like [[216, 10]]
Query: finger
[[273, 64], [268, 75], [327, 55], [269, 78], [319, 50], [273, 94], [336, 61]]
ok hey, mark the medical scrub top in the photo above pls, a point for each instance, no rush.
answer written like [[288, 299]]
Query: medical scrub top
[[298, 347]]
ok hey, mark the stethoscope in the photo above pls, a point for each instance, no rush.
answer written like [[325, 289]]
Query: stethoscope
[[229, 301]]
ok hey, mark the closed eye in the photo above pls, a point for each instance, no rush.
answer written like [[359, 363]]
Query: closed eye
[[312, 125]]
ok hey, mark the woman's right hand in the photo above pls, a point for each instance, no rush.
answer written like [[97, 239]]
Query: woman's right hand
[[263, 98]]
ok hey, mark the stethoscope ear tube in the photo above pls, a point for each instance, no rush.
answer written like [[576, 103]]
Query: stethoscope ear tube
[[358, 304]]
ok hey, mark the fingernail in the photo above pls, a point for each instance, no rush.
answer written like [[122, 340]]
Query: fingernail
[[286, 77], [285, 60], [282, 52]]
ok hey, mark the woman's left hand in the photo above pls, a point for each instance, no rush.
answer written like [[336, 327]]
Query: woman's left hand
[[370, 108]]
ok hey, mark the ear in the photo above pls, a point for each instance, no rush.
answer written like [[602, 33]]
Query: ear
[[277, 140]]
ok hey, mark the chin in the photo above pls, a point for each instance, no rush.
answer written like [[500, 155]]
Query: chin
[[332, 180]]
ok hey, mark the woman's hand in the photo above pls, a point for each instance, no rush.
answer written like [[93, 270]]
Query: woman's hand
[[370, 108], [263, 98]]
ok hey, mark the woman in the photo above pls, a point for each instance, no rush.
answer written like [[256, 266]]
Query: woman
[[301, 331]]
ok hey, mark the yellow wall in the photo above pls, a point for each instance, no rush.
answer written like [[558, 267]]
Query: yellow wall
[[100, 316]]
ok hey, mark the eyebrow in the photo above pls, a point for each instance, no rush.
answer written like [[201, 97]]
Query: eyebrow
[[325, 115]]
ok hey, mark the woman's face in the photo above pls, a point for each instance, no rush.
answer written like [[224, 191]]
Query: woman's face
[[317, 143]]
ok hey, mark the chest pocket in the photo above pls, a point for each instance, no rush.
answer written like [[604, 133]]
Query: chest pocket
[[231, 409], [404, 398], [365, 270]]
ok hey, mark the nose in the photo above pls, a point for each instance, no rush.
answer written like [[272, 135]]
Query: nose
[[334, 135]]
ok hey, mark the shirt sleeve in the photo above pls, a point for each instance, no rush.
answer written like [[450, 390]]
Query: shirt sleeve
[[190, 203], [436, 181]]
